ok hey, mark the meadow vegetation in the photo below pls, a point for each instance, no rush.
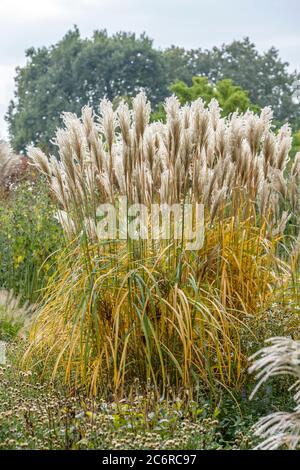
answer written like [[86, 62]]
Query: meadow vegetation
[[29, 234]]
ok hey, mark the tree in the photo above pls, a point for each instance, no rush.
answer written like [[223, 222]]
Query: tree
[[121, 65], [76, 72], [264, 76], [230, 97], [45, 87], [182, 64]]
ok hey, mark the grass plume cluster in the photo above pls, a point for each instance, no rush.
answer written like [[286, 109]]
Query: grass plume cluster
[[116, 310], [279, 430]]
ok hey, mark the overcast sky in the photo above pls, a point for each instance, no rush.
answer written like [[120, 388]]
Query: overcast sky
[[188, 23]]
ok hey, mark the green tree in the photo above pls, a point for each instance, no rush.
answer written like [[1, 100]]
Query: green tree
[[182, 64], [264, 75], [76, 72], [45, 87], [230, 97]]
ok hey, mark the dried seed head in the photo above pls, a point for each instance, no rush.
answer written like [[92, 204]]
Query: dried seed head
[[141, 113], [196, 155], [40, 160]]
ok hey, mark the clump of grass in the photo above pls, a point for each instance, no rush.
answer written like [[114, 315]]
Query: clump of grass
[[280, 356], [120, 309]]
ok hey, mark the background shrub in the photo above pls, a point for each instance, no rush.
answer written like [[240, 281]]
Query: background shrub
[[29, 234]]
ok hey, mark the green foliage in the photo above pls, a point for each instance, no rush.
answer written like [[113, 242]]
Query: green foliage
[[265, 76], [78, 71], [15, 316], [29, 234], [230, 97], [296, 143], [8, 329]]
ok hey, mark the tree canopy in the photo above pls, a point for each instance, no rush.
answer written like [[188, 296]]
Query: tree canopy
[[296, 143], [230, 97], [78, 71]]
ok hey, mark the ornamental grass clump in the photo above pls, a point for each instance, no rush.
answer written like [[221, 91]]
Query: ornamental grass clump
[[278, 430], [121, 308]]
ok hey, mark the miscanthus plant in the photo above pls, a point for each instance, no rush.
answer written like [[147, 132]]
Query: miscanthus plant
[[120, 309], [279, 430]]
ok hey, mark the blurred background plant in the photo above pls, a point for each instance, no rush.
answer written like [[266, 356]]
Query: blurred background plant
[[7, 164], [15, 316], [296, 143], [29, 234]]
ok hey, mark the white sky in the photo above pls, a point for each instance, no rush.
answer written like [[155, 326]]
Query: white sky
[[188, 23]]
